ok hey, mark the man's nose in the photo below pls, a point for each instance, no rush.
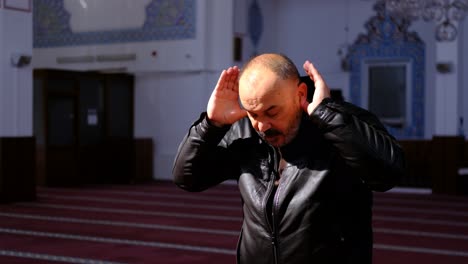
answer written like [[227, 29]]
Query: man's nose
[[263, 126]]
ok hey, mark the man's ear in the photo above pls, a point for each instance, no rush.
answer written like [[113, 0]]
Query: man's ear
[[302, 91], [310, 86]]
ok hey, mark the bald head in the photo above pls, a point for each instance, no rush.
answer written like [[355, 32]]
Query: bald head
[[279, 64], [264, 76]]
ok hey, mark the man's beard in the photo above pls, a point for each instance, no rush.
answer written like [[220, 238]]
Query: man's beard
[[293, 128]]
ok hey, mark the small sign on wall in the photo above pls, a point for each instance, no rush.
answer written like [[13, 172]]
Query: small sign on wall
[[92, 117], [18, 5]]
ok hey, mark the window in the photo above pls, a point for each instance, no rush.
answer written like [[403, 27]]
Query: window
[[386, 91]]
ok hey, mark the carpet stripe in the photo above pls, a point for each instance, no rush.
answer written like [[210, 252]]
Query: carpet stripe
[[421, 250], [191, 196], [419, 233], [418, 210], [140, 202], [121, 224], [206, 197], [209, 231], [406, 202], [137, 212], [237, 208], [229, 218], [55, 258], [420, 221], [118, 241], [410, 190]]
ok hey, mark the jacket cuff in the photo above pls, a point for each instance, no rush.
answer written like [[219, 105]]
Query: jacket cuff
[[322, 114], [209, 132]]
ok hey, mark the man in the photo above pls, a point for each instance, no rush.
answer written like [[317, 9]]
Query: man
[[305, 171]]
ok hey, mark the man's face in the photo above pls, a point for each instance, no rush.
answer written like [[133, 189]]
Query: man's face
[[272, 105]]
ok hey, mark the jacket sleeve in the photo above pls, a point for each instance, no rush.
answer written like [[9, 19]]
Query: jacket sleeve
[[203, 159], [363, 142]]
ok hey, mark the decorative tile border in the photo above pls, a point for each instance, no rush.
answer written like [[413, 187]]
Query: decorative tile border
[[388, 38], [18, 5], [165, 20]]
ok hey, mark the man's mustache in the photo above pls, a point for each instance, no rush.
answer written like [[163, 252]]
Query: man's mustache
[[269, 133]]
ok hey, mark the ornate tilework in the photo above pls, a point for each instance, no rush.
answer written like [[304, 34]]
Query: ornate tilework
[[165, 20], [388, 38]]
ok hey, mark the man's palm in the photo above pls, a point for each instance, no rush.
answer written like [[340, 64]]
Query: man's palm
[[321, 89], [223, 106]]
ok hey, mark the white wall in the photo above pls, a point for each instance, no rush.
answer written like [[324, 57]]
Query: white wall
[[172, 55], [462, 73], [425, 31], [316, 30], [167, 103], [15, 83], [172, 88], [447, 89]]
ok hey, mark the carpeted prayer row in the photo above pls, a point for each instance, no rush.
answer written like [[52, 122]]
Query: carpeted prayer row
[[159, 223]]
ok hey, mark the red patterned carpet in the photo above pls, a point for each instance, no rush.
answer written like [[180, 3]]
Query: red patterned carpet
[[159, 223]]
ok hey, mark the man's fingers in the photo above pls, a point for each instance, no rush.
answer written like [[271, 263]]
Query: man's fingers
[[228, 79], [312, 71], [232, 76], [221, 80], [321, 89]]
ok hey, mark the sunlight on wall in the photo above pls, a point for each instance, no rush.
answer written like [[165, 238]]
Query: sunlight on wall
[[59, 23], [95, 15]]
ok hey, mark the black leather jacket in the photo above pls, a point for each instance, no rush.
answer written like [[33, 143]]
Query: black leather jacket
[[321, 210]]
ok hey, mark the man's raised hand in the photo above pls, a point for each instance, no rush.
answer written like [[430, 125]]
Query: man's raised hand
[[321, 89], [223, 107]]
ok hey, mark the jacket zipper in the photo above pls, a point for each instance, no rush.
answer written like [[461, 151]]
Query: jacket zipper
[[272, 194]]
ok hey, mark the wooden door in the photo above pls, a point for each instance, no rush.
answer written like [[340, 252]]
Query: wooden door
[[62, 155]]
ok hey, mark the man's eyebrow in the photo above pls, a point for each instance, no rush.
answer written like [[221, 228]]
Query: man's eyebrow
[[269, 108]]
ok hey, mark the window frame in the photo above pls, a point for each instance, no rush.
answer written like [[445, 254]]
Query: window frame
[[405, 120]]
